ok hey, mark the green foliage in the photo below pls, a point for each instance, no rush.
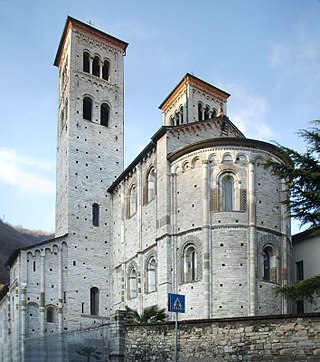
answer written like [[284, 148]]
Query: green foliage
[[149, 315], [305, 289], [89, 352], [302, 177]]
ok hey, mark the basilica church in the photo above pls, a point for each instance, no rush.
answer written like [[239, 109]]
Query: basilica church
[[195, 213]]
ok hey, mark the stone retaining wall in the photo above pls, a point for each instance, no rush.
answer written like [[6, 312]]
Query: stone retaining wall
[[272, 338]]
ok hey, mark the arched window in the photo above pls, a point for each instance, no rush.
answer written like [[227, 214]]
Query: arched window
[[50, 315], [104, 114], [228, 195], [151, 275], [214, 113], [96, 66], [181, 114], [133, 283], [94, 301], [87, 108], [200, 108], [206, 112], [176, 118], [270, 264], [190, 263], [95, 214], [86, 62], [105, 70], [266, 265], [151, 184], [227, 192], [132, 200]]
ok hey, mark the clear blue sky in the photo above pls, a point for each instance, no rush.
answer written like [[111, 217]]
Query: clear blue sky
[[266, 53]]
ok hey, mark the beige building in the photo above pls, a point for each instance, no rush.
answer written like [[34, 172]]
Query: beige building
[[305, 264], [195, 213]]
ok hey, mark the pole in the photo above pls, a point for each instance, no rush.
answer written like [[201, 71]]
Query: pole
[[176, 330]]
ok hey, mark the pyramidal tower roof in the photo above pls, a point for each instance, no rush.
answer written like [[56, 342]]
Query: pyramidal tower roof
[[86, 28], [198, 83]]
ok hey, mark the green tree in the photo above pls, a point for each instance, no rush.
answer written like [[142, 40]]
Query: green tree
[[89, 352], [149, 315], [308, 289], [302, 176]]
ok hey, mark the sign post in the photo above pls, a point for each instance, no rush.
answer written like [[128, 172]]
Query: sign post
[[176, 303]]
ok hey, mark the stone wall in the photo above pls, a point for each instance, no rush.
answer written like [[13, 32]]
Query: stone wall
[[273, 338], [89, 158], [188, 210]]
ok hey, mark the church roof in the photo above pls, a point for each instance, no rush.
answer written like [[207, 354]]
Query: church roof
[[227, 141], [11, 259], [305, 235], [140, 156], [74, 23], [191, 79], [212, 142]]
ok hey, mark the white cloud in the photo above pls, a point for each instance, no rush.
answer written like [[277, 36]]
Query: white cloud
[[280, 53], [248, 111], [298, 56], [10, 155], [25, 174]]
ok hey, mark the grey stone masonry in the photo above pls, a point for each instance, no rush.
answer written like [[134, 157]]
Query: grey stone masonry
[[89, 158], [275, 338], [195, 213]]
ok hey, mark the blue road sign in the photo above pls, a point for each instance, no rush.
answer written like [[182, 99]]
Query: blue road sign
[[176, 303]]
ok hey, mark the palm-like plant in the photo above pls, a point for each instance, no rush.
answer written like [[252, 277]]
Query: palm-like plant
[[149, 315], [89, 352]]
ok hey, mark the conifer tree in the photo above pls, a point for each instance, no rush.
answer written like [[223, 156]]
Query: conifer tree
[[302, 176]]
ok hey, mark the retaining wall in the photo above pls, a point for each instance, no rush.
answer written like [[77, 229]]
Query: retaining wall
[[272, 338]]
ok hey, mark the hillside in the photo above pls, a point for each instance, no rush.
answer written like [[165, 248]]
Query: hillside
[[12, 238]]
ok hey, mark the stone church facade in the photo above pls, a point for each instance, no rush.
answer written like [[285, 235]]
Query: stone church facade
[[195, 213]]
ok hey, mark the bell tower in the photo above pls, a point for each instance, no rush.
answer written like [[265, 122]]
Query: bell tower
[[90, 156], [90, 124], [193, 100]]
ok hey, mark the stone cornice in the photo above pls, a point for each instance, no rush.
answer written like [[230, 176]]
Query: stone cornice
[[132, 165], [40, 246], [197, 83], [229, 226], [208, 88], [205, 124], [236, 142], [270, 231], [86, 38], [165, 105], [90, 31], [215, 227], [94, 79]]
